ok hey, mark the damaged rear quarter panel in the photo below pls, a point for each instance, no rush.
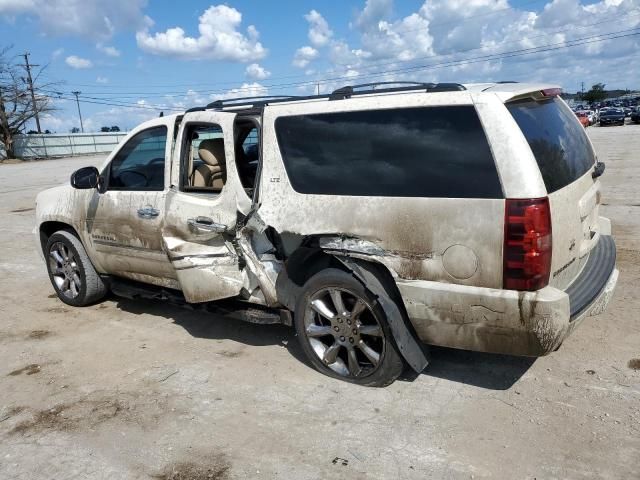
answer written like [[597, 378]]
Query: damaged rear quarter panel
[[414, 233]]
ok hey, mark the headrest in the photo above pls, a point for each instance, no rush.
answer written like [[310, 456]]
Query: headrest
[[211, 151]]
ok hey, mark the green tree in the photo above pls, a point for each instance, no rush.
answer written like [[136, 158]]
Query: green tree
[[596, 94]]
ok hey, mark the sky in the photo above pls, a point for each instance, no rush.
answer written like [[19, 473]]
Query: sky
[[132, 59]]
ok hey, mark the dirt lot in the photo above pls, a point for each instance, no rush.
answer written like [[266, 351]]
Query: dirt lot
[[145, 390]]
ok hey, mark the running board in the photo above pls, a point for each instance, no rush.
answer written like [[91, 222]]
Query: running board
[[229, 308]]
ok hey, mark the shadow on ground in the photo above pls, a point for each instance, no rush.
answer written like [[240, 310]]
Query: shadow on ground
[[484, 370]]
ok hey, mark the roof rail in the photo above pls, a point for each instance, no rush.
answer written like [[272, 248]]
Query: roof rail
[[242, 101], [350, 90], [259, 101], [195, 109]]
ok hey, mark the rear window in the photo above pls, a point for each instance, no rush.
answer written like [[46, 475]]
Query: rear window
[[414, 152], [558, 141]]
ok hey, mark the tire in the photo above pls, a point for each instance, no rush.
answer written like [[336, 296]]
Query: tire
[[354, 345], [68, 265]]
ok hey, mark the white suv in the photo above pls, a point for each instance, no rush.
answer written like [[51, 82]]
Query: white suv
[[375, 221]]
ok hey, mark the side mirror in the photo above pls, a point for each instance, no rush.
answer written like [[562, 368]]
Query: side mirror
[[85, 178]]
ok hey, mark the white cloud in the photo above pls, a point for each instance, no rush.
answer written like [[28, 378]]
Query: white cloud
[[108, 50], [102, 80], [256, 72], [319, 31], [444, 31], [246, 90], [219, 39], [57, 53], [304, 55], [95, 19], [11, 7], [78, 62]]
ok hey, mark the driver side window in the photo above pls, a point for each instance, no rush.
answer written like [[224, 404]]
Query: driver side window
[[139, 165]]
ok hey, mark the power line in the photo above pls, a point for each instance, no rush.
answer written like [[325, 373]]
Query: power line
[[363, 67], [124, 94], [471, 60], [115, 103], [467, 61]]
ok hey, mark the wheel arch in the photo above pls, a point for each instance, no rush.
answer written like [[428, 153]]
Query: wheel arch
[[309, 259], [48, 228]]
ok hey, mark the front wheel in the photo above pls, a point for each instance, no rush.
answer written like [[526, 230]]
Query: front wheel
[[71, 272], [344, 332]]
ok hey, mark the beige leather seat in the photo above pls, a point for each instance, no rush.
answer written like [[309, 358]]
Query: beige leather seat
[[214, 171]]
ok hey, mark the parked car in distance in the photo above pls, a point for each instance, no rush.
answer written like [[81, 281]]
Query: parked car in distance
[[635, 115], [611, 116], [583, 117], [374, 221]]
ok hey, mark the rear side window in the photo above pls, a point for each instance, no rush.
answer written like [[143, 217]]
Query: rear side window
[[557, 140], [411, 152]]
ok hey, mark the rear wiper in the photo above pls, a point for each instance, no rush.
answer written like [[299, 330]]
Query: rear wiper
[[598, 170]]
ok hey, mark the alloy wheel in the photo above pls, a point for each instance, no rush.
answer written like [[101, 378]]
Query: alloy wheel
[[344, 332], [65, 270]]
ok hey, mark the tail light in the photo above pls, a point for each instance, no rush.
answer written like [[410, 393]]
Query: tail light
[[527, 244]]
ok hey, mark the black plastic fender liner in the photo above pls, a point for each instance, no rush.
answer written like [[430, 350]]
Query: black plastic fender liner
[[411, 348]]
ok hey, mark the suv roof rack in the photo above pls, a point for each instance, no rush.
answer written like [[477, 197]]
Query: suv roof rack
[[243, 101], [350, 90], [259, 101]]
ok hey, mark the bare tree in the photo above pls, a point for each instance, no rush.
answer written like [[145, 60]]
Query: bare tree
[[17, 106]]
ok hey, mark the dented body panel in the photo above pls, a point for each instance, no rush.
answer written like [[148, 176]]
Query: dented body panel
[[445, 255]]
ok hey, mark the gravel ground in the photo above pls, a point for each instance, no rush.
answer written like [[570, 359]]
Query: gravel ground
[[138, 390]]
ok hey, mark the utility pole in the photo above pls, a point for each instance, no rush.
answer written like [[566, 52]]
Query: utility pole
[[582, 90], [30, 84], [79, 114]]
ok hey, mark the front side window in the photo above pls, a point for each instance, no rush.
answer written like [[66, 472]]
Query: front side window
[[140, 164], [410, 152]]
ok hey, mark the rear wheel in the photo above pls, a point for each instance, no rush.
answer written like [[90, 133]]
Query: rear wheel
[[72, 275], [344, 332]]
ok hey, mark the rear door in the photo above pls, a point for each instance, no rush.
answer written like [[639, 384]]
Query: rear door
[[201, 212], [566, 160]]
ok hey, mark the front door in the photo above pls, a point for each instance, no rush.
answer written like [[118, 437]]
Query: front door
[[124, 222], [202, 207]]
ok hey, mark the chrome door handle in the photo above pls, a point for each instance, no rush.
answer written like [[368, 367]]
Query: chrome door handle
[[203, 225], [148, 212]]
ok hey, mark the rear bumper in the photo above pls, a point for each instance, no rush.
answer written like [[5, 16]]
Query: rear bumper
[[507, 321]]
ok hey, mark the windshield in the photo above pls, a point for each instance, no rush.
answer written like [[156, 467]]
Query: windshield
[[557, 140]]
